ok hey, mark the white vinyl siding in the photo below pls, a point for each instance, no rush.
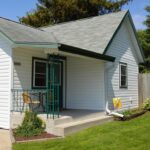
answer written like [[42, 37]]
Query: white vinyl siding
[[123, 49], [5, 82], [85, 84], [85, 79], [22, 74]]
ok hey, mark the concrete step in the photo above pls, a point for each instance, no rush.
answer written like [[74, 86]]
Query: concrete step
[[16, 119], [59, 121], [74, 126]]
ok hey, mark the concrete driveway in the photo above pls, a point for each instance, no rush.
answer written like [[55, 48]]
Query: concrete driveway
[[5, 141]]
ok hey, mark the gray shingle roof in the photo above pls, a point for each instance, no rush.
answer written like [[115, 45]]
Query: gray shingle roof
[[24, 34], [93, 34]]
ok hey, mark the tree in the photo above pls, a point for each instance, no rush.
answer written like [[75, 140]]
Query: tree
[[57, 11], [147, 23], [144, 38], [142, 34]]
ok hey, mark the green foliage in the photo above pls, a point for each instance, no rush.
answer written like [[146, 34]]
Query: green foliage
[[146, 104], [56, 11], [31, 126], [130, 112], [127, 112], [144, 38]]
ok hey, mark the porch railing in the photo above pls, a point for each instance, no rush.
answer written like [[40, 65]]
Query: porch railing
[[48, 101]]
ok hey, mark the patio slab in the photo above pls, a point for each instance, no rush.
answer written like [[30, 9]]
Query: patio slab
[[5, 141]]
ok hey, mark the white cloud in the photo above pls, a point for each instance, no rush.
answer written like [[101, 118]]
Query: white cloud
[[138, 21]]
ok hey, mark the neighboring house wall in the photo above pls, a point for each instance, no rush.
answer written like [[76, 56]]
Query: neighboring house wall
[[5, 82], [85, 84], [123, 49]]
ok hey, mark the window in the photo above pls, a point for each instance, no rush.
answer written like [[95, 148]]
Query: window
[[39, 73], [123, 75]]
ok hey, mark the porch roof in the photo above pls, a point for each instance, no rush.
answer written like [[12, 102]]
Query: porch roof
[[23, 34]]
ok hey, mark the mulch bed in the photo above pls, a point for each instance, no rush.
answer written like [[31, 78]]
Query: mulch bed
[[125, 118], [44, 135]]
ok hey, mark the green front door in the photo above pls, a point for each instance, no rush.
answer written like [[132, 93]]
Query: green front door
[[55, 68]]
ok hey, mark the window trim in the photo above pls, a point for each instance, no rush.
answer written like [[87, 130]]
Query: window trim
[[121, 86], [34, 59]]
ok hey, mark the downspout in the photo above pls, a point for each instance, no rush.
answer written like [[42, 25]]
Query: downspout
[[108, 111], [107, 68]]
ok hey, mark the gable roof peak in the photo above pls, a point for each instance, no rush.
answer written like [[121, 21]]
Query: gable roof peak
[[85, 33], [83, 19]]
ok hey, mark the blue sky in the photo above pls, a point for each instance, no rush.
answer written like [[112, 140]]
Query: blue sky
[[12, 9], [137, 11]]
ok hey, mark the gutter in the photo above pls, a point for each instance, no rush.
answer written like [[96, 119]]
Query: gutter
[[83, 52]]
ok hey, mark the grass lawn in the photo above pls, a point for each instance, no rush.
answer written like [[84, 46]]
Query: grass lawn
[[129, 135]]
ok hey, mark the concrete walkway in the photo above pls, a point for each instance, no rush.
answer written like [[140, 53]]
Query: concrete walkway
[[5, 141]]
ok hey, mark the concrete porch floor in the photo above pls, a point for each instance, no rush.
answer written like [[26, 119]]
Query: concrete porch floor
[[70, 121], [78, 114]]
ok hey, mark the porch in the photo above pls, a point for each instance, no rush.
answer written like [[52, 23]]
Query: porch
[[66, 90], [57, 80], [69, 121]]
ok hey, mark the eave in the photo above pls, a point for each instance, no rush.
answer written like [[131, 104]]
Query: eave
[[87, 53]]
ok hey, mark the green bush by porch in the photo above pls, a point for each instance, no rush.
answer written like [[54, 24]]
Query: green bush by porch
[[31, 126], [129, 135]]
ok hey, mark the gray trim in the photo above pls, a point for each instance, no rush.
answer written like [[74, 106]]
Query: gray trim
[[136, 36], [106, 49], [134, 30], [83, 52]]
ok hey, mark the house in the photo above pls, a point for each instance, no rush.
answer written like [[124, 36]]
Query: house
[[76, 65]]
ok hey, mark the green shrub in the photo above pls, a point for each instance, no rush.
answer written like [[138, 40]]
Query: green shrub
[[127, 112], [31, 126], [146, 104], [130, 112]]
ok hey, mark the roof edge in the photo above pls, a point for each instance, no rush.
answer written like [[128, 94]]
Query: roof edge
[[8, 38], [134, 30], [33, 44], [83, 52], [116, 31], [137, 39], [82, 19], [36, 44]]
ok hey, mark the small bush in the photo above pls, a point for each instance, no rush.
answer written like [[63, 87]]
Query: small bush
[[31, 126], [127, 112], [131, 112], [146, 104]]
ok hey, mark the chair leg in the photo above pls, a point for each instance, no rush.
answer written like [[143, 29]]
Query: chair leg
[[22, 108], [31, 107]]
